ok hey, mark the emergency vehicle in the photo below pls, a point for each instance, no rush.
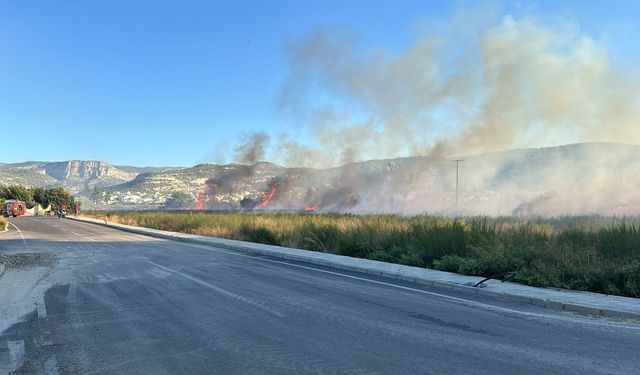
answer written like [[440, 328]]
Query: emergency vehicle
[[13, 207]]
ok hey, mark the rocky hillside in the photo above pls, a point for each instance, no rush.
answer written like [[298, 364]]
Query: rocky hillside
[[75, 175], [150, 190], [574, 179]]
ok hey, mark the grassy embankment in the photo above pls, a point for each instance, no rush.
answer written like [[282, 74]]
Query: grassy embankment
[[3, 224], [595, 253]]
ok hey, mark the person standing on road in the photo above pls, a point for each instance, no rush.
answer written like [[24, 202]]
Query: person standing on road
[[76, 209]]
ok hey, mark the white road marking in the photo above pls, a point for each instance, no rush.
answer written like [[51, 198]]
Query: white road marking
[[63, 229], [82, 236], [24, 241], [219, 290]]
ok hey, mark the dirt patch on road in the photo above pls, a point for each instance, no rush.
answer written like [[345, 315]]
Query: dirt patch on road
[[25, 260]]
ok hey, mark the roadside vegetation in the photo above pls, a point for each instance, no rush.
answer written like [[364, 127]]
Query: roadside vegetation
[[3, 224], [32, 196], [593, 253]]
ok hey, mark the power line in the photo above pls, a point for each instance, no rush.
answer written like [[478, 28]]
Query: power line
[[457, 161]]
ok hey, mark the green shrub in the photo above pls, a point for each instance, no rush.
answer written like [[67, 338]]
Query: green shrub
[[258, 234], [454, 263], [628, 278]]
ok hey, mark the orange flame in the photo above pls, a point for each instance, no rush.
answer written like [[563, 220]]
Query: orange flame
[[200, 202], [266, 197], [311, 207]]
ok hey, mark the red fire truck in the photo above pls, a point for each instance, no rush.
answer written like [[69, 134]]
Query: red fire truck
[[13, 207]]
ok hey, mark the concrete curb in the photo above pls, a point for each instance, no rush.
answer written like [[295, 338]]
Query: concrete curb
[[557, 299]]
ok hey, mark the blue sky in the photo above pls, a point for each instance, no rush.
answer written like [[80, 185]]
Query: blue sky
[[177, 83]]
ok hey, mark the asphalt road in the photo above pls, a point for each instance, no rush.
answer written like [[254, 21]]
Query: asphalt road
[[83, 299]]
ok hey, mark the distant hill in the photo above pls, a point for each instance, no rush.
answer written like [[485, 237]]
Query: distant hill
[[75, 175], [573, 179], [153, 188]]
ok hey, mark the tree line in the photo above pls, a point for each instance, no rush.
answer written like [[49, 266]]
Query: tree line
[[37, 195]]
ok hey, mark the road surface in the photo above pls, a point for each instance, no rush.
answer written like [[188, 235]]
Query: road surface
[[84, 299]]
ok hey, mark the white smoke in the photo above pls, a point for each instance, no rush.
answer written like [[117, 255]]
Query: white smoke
[[469, 88], [514, 83]]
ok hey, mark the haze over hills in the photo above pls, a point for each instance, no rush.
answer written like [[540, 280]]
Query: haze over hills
[[572, 179]]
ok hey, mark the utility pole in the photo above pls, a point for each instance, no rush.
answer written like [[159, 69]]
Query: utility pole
[[457, 161]]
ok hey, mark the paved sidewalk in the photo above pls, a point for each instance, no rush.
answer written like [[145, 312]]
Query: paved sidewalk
[[586, 303]]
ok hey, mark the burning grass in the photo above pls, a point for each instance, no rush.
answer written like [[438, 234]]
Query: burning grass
[[594, 253]]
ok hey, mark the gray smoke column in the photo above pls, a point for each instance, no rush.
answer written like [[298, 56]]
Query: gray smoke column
[[466, 90], [225, 183], [253, 149]]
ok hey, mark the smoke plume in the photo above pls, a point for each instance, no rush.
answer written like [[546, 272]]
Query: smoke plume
[[514, 83], [253, 150], [466, 90]]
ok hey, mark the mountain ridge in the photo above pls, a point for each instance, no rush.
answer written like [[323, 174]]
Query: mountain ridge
[[594, 177], [74, 175]]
